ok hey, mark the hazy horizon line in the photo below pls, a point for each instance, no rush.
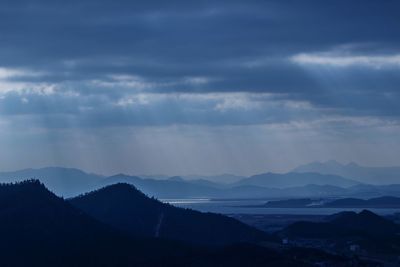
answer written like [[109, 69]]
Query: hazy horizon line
[[169, 175]]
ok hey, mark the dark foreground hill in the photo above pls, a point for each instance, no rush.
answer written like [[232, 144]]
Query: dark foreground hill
[[348, 233], [38, 228], [126, 208], [363, 224]]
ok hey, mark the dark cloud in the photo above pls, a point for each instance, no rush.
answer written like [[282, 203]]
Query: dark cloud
[[198, 86], [181, 33], [63, 111], [197, 47]]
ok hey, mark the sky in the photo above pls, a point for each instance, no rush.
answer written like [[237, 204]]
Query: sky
[[198, 87]]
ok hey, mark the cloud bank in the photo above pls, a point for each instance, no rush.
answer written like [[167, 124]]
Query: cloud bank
[[318, 69]]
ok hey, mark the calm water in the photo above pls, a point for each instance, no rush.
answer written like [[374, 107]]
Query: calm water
[[240, 207]]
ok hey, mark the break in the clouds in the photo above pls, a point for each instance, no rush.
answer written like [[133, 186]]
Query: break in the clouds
[[377, 62], [312, 73]]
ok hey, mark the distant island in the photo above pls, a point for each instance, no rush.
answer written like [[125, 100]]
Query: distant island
[[379, 202]]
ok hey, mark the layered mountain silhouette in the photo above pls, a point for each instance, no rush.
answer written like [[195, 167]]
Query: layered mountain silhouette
[[169, 188], [178, 188], [369, 175], [224, 179], [69, 182], [126, 208], [296, 179], [38, 228], [62, 181]]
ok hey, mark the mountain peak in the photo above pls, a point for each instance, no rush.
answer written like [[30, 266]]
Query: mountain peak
[[176, 179], [317, 166], [333, 163], [365, 220], [128, 209], [60, 169], [118, 175], [352, 164], [367, 213], [117, 188]]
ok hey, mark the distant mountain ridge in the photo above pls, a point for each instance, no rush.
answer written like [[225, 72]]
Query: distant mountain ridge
[[379, 202], [69, 182], [293, 179], [224, 179], [369, 175], [169, 188], [62, 181], [177, 188]]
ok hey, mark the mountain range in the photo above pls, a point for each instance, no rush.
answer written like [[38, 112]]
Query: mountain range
[[38, 228], [294, 179], [62, 181], [68, 182], [362, 174]]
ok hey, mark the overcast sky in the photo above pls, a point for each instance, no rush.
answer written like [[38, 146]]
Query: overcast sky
[[184, 87]]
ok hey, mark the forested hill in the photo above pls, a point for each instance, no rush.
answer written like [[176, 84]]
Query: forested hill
[[126, 208]]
